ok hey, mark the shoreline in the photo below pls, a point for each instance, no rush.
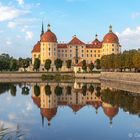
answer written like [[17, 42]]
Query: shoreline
[[127, 78]]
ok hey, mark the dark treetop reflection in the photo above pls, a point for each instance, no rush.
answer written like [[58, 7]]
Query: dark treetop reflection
[[49, 97]]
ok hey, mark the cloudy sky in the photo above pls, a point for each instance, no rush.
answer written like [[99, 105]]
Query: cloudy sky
[[20, 22]]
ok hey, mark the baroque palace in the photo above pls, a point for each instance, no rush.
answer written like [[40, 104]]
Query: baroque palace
[[75, 50]]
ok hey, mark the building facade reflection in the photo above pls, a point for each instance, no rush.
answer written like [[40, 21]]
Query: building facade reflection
[[51, 96]]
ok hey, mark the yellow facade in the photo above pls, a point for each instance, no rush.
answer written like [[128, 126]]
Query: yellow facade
[[75, 50]]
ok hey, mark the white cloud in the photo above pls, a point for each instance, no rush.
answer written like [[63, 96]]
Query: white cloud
[[29, 35], [130, 38], [20, 2], [29, 106], [135, 15], [11, 25], [8, 13], [8, 43]]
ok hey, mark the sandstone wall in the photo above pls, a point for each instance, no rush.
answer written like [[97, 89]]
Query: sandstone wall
[[130, 78]]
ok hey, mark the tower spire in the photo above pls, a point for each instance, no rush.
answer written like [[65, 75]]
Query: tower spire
[[42, 120], [42, 31]]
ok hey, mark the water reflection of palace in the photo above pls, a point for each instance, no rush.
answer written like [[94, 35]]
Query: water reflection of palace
[[49, 97]]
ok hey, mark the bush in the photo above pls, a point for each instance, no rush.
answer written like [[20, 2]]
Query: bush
[[47, 77]]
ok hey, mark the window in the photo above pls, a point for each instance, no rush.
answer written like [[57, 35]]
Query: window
[[82, 51], [65, 55], [65, 50], [98, 55], [87, 50], [91, 51], [54, 49], [82, 55], [95, 51], [91, 55], [112, 49], [87, 55], [49, 54], [49, 49], [70, 55], [98, 51], [95, 55], [34, 55], [70, 50], [112, 44]]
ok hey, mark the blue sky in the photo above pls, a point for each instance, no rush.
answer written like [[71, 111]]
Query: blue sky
[[20, 22]]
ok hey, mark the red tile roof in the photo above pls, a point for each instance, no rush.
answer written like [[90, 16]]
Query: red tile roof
[[95, 44], [36, 48], [62, 45], [49, 37], [110, 38], [76, 41]]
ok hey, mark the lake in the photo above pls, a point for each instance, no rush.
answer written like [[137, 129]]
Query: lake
[[68, 111]]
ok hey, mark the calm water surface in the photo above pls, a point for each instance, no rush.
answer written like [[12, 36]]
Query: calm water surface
[[68, 111]]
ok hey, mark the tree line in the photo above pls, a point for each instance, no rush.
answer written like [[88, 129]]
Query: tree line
[[8, 63], [120, 62], [59, 63]]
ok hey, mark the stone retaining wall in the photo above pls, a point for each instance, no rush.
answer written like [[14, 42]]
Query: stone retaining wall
[[130, 78]]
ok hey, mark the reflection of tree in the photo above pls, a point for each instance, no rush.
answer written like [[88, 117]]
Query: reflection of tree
[[58, 90], [4, 87], [36, 90], [25, 90], [91, 88], [13, 90], [68, 90], [123, 99], [48, 90], [84, 89], [98, 91]]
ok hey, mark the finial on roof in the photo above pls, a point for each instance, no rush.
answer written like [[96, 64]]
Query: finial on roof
[[96, 36], [110, 28], [49, 26]]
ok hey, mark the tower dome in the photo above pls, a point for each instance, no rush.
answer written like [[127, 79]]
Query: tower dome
[[49, 36], [110, 37]]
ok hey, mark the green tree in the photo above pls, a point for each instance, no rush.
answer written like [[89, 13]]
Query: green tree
[[98, 65], [36, 90], [13, 65], [48, 64], [98, 91], [24, 63], [25, 90], [68, 90], [91, 67], [68, 64], [58, 90], [84, 89], [58, 64], [36, 65], [84, 66], [91, 88], [136, 60], [13, 90], [48, 90]]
